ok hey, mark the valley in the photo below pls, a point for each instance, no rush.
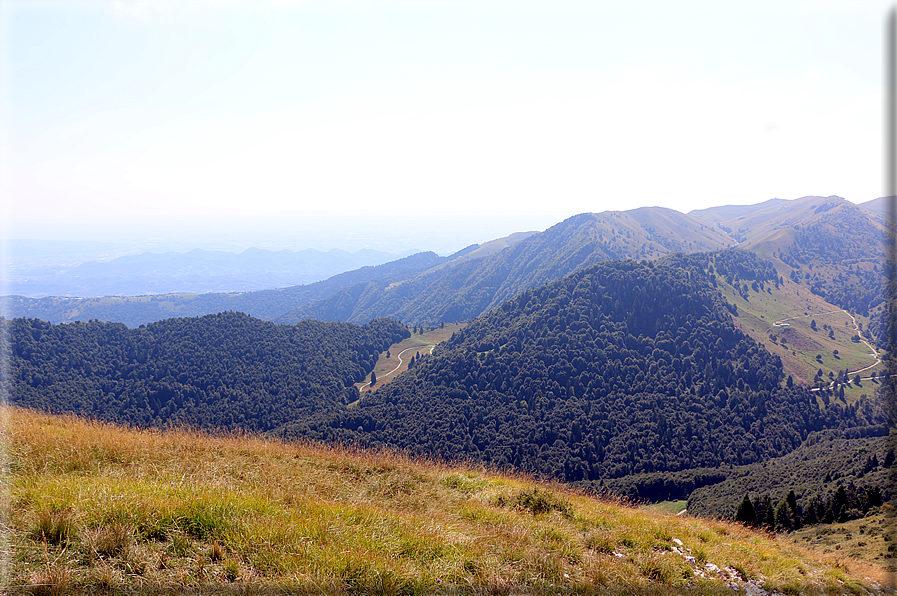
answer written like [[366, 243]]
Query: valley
[[633, 354], [448, 298]]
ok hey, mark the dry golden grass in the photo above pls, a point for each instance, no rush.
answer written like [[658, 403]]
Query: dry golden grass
[[152, 511]]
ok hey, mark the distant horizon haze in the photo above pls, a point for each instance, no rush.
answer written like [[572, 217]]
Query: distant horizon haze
[[429, 125], [441, 232]]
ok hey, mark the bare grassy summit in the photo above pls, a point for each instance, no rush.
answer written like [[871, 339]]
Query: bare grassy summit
[[94, 507]]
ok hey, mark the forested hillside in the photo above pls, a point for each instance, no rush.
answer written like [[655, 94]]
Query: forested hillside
[[224, 371], [621, 368], [470, 288], [841, 257], [833, 469]]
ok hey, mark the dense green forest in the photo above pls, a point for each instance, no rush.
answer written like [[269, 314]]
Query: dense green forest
[[222, 371], [621, 368]]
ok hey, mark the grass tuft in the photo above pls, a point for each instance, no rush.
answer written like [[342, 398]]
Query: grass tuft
[[180, 545], [538, 501], [50, 580], [216, 553], [231, 570], [54, 527], [204, 521], [599, 541], [108, 541]]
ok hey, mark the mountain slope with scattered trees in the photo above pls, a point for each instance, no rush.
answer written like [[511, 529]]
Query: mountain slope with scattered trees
[[833, 247], [836, 475]]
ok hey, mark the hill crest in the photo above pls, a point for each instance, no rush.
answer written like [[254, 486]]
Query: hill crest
[[463, 290]]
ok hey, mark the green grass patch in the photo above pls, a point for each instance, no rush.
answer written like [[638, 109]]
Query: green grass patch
[[667, 507]]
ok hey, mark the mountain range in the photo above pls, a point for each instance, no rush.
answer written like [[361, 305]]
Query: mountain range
[[264, 304], [195, 271], [648, 351], [829, 232], [617, 369]]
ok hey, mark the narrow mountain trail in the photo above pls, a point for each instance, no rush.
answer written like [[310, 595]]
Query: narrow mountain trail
[[812, 314], [425, 343], [872, 350]]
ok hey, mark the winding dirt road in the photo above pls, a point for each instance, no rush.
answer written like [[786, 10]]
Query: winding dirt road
[[400, 363]]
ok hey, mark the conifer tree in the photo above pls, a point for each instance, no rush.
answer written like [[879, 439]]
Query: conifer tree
[[795, 514], [760, 509], [745, 513], [784, 516], [842, 514]]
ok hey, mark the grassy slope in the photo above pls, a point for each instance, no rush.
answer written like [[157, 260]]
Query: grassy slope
[[801, 345], [667, 507], [865, 538], [423, 343], [97, 506]]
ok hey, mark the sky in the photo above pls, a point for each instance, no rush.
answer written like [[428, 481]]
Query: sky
[[428, 124]]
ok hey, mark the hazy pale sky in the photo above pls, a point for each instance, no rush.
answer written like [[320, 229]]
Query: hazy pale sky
[[453, 121]]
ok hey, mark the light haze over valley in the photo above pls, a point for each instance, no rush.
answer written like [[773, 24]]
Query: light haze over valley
[[171, 126]]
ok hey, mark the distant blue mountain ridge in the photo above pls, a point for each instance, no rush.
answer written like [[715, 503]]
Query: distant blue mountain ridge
[[196, 271]]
